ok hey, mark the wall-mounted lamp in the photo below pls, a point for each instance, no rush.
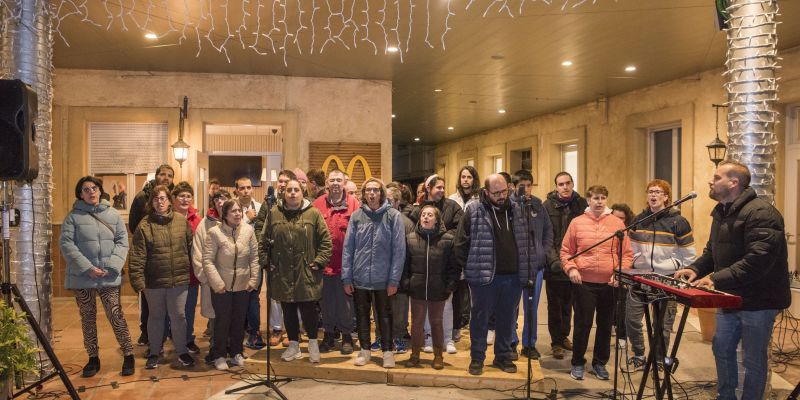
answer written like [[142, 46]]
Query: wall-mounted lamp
[[717, 148], [180, 149]]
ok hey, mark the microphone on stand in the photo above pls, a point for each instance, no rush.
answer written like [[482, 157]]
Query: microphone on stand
[[521, 193], [686, 198], [270, 197]]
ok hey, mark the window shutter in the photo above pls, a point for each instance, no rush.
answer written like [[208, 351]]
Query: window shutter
[[126, 147]]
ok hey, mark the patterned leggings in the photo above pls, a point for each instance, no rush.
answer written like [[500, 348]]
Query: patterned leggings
[[87, 306]]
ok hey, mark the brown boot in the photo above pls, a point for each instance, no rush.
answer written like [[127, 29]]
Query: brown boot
[[438, 360], [413, 361]]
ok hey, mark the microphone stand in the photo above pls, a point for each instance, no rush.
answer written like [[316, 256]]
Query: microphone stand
[[268, 381], [620, 235]]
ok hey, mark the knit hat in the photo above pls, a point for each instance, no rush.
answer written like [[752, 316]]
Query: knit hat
[[301, 176]]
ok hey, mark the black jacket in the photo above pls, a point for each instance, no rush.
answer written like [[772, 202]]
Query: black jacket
[[561, 214], [747, 253], [430, 271], [451, 212]]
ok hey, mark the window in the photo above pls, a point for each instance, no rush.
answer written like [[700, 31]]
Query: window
[[122, 154], [471, 162], [569, 161], [497, 162], [521, 159], [665, 156]]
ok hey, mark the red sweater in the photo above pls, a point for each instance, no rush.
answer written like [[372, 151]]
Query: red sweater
[[597, 265], [337, 219]]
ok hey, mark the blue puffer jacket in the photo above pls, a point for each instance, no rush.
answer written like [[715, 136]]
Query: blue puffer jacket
[[374, 248], [86, 243], [474, 246]]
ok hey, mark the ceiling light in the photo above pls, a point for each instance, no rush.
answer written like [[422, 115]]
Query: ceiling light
[[416, 139], [392, 49], [393, 115], [437, 90], [566, 63], [151, 36], [630, 68], [450, 128], [502, 111]]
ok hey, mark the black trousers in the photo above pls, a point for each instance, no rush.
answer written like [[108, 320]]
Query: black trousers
[[230, 309], [363, 299], [559, 309], [310, 315], [591, 299], [462, 305]]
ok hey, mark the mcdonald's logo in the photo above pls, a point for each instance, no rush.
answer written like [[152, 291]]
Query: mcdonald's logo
[[350, 166]]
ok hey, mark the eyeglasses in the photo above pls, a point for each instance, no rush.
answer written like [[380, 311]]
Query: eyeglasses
[[372, 190], [90, 189], [656, 192], [499, 192], [160, 199]]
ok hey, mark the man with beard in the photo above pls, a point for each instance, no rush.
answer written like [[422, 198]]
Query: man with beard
[[493, 248], [164, 176], [745, 255], [563, 204]]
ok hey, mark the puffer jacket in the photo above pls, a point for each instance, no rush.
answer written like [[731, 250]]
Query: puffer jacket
[[474, 240], [450, 211], [300, 238], [160, 252], [561, 214], [198, 247], [336, 218], [674, 243], [194, 220], [459, 199], [747, 253], [86, 243], [599, 264], [374, 248], [430, 271], [230, 258]]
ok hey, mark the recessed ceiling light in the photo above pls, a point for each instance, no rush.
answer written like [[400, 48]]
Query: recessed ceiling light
[[437, 90], [393, 115], [566, 63], [450, 128], [151, 36], [416, 139], [392, 49], [502, 111], [630, 68]]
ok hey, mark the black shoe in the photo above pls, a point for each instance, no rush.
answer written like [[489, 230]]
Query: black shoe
[[152, 362], [505, 366], [186, 360], [91, 367], [209, 358], [347, 345], [142, 341], [328, 343], [128, 366], [475, 367], [532, 353], [192, 347]]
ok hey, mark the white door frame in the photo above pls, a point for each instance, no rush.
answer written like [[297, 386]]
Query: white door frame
[[792, 151]]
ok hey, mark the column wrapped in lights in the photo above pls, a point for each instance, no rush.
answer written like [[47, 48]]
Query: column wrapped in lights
[[26, 50], [753, 90]]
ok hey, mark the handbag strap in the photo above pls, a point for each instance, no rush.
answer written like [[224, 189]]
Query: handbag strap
[[103, 222]]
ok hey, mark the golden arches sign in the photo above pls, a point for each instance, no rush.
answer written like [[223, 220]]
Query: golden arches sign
[[350, 166]]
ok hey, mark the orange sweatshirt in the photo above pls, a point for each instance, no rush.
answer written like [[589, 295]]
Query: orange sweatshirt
[[597, 265]]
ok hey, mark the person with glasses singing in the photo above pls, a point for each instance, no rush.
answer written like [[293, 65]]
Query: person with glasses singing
[[663, 246], [301, 248], [159, 267], [94, 243], [496, 251]]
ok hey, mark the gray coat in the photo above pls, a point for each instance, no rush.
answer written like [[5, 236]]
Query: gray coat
[[374, 248]]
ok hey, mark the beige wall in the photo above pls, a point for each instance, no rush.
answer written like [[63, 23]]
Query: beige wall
[[614, 133], [307, 109]]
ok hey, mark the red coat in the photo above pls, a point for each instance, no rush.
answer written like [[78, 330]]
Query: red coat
[[194, 220], [597, 265], [337, 220]]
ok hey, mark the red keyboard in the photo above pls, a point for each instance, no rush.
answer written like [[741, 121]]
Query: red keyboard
[[683, 292]]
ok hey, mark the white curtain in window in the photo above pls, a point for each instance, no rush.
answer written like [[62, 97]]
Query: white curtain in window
[[126, 147]]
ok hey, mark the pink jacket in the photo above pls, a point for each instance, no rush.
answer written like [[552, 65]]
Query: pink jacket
[[598, 265]]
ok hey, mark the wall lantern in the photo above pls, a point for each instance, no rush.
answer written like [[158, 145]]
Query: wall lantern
[[180, 149], [717, 148]]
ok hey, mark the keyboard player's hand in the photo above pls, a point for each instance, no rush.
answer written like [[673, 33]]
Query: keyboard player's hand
[[686, 274]]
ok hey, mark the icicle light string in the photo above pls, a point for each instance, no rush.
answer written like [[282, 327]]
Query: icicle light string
[[286, 26]]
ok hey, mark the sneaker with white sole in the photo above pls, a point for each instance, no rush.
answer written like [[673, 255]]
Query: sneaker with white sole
[[362, 358], [313, 350], [635, 363], [428, 348], [292, 352], [238, 360], [622, 343], [490, 337], [221, 364], [388, 359], [451, 348]]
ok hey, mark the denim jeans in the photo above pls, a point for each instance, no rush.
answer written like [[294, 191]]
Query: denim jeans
[[531, 324], [191, 307], [498, 298], [754, 330], [253, 319], [634, 314]]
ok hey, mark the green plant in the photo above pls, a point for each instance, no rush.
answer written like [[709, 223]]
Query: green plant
[[17, 351]]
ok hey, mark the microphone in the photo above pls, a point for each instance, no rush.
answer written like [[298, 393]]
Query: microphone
[[686, 198], [521, 192], [270, 197]]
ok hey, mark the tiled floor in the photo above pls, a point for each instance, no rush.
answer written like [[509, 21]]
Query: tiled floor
[[169, 381]]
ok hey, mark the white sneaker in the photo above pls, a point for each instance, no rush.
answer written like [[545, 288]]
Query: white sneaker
[[362, 358], [622, 343], [451, 348], [238, 360], [428, 348], [221, 364], [313, 350], [490, 337], [292, 352], [388, 359]]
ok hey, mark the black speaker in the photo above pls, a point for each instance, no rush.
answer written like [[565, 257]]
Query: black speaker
[[19, 159]]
